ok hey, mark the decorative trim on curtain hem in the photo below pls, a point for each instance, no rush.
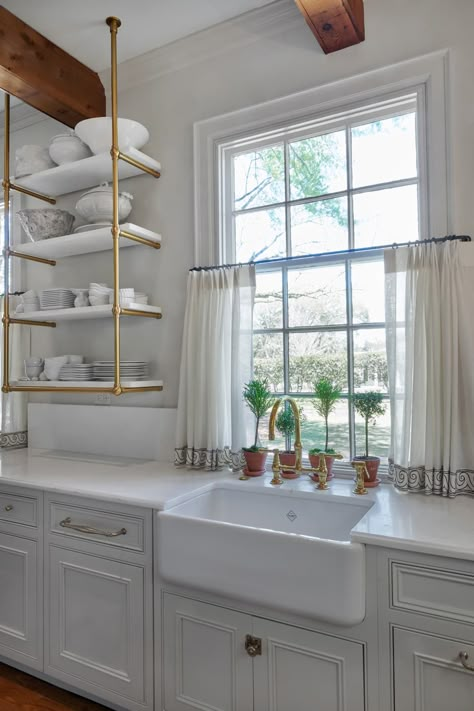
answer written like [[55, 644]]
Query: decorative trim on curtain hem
[[14, 440], [433, 481], [210, 459]]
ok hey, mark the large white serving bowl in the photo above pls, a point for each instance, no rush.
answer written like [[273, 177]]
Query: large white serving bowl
[[286, 550], [97, 134]]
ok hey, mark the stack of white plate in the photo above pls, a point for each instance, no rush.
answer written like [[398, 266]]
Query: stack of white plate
[[140, 298], [76, 371], [129, 369], [56, 299]]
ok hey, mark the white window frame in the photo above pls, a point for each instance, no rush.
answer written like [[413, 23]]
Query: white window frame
[[426, 76]]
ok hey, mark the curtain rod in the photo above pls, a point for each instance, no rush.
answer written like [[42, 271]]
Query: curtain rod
[[299, 257]]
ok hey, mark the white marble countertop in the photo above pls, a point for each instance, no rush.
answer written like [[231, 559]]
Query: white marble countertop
[[415, 522]]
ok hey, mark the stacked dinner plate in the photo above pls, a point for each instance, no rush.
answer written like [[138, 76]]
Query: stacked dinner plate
[[76, 371], [129, 369], [56, 299]]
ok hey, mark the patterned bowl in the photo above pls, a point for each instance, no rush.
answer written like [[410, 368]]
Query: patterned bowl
[[44, 223]]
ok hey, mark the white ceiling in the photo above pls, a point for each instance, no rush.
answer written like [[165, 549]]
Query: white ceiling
[[79, 28]]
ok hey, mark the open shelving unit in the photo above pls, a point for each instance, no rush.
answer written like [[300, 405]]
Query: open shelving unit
[[46, 186]]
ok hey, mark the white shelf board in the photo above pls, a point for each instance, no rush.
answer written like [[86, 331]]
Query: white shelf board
[[85, 173], [82, 313], [89, 384], [71, 245]]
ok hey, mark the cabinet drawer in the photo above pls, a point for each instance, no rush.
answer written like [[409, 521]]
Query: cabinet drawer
[[18, 509], [105, 527], [446, 594]]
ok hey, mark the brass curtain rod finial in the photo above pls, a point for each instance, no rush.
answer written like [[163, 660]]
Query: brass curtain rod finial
[[114, 23]]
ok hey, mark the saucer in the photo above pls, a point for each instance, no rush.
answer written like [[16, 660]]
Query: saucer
[[247, 473]]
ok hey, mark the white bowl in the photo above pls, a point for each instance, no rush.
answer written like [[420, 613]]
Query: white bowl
[[67, 148], [97, 133], [45, 222], [98, 300], [97, 205]]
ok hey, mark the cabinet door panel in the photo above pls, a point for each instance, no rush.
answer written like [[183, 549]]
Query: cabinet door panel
[[205, 663], [96, 624], [429, 675], [20, 600], [307, 671]]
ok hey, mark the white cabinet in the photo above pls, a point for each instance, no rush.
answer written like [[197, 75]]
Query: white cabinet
[[429, 675], [21, 629], [306, 671], [99, 616], [206, 665]]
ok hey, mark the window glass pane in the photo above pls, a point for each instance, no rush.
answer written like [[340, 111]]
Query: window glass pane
[[317, 296], [370, 360], [313, 431], [385, 216], [259, 177], [268, 301], [318, 227], [379, 435], [317, 355], [260, 235], [368, 291], [318, 165], [383, 151], [268, 359]]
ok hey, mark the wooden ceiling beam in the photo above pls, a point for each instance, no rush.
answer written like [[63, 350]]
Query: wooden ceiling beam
[[46, 77], [336, 24]]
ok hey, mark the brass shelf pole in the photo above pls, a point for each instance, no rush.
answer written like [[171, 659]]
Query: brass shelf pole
[[114, 24], [6, 230]]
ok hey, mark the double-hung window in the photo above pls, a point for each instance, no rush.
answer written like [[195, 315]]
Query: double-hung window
[[306, 195]]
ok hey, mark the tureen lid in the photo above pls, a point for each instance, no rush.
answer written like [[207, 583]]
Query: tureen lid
[[106, 188]]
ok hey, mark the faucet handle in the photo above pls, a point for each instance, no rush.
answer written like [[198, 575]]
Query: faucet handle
[[276, 469], [361, 475]]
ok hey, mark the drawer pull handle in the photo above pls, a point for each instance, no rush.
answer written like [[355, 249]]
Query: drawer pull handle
[[67, 523], [8, 507], [464, 656]]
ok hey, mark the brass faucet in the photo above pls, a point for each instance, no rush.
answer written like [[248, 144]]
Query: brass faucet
[[298, 468]]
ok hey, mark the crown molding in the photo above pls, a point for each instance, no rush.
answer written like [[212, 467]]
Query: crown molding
[[212, 42], [22, 116]]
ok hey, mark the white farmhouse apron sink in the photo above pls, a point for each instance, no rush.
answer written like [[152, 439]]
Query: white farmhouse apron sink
[[287, 550]]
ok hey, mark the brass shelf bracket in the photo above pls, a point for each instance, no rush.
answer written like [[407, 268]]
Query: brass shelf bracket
[[31, 258], [134, 312], [27, 322], [141, 240], [32, 193], [138, 164]]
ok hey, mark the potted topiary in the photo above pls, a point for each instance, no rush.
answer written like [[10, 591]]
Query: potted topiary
[[258, 399], [326, 395], [285, 424], [369, 406]]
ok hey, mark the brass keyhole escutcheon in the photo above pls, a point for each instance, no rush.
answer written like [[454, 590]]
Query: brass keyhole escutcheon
[[253, 646], [8, 507]]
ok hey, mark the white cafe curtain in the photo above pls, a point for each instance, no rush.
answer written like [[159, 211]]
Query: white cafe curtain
[[216, 361], [430, 351], [14, 405]]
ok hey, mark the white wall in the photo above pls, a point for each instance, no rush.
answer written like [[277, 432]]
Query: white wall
[[230, 67]]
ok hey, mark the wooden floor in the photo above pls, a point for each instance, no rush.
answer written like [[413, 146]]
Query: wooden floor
[[21, 692]]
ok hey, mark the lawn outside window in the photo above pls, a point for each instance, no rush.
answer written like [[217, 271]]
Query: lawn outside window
[[347, 181]]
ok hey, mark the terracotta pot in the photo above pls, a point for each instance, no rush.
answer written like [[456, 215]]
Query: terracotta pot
[[314, 461], [288, 459], [372, 464], [255, 463]]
